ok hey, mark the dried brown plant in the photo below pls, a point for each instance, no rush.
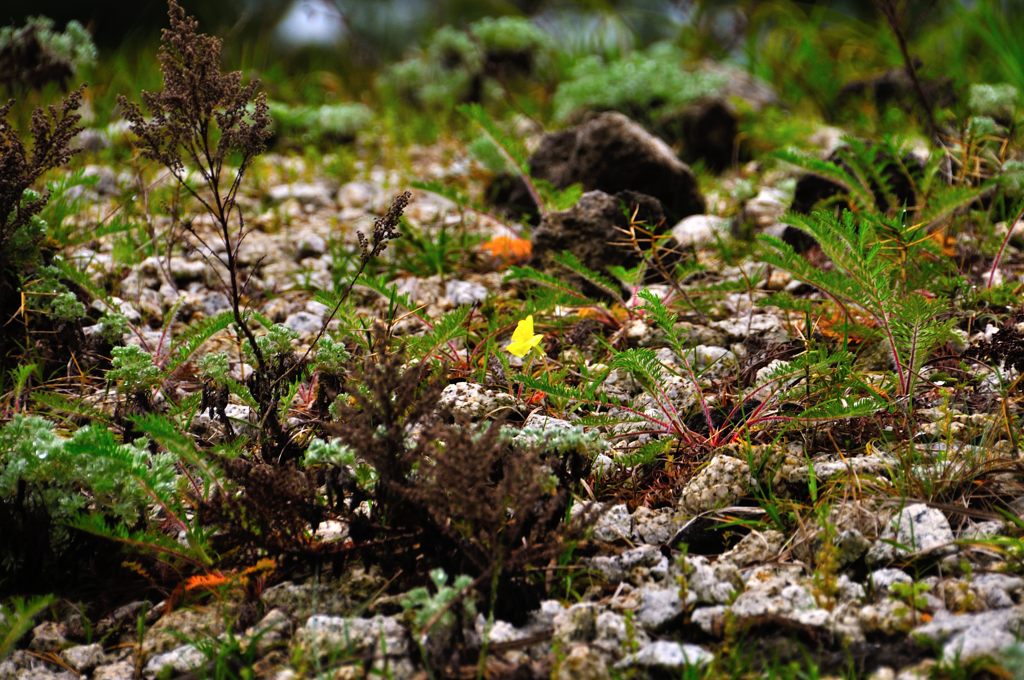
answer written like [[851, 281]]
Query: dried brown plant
[[471, 502], [52, 129], [205, 120]]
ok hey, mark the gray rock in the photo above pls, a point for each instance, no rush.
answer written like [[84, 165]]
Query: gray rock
[[888, 617], [536, 422], [358, 195], [180, 660], [304, 323], [317, 195], [582, 662], [121, 670], [190, 624], [706, 129], [737, 82], [324, 635], [185, 271], [577, 623], [309, 244], [48, 636], [613, 153], [214, 302], [465, 292], [767, 208], [473, 400], [589, 230], [613, 634], [636, 565], [757, 547], [882, 580], [712, 357], [272, 630], [653, 526], [965, 637], [721, 482], [84, 658], [697, 230], [106, 179], [852, 545], [43, 673], [614, 524], [302, 600], [986, 529], [768, 327], [998, 591], [775, 597], [666, 655], [917, 530], [658, 607], [711, 583], [91, 140]]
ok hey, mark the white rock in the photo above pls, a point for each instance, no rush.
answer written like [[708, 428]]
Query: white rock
[[465, 292], [658, 607], [667, 655], [697, 230], [84, 658], [916, 530], [614, 524], [318, 195], [304, 323], [181, 660], [970, 636]]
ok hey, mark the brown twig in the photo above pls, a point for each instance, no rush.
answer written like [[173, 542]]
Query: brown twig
[[889, 10]]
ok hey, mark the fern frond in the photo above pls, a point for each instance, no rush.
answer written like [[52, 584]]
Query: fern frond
[[645, 454], [642, 363], [195, 336], [569, 260], [527, 273], [860, 196], [918, 328], [512, 147], [167, 434], [450, 326], [559, 389], [164, 547]]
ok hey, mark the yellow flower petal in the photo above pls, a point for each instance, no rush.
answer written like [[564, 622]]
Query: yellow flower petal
[[523, 338]]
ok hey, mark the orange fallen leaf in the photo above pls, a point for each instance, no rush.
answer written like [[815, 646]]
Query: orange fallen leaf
[[211, 580], [945, 241], [509, 249]]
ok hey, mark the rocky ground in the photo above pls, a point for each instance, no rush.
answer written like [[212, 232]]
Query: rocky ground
[[846, 546]]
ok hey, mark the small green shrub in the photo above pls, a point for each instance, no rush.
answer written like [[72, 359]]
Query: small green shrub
[[35, 54], [994, 100], [472, 65], [643, 84], [48, 482], [318, 125], [21, 228]]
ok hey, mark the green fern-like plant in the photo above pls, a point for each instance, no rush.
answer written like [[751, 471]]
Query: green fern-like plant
[[871, 276]]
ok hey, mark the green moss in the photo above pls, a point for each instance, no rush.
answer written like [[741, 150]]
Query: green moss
[[510, 34], [643, 84], [330, 123]]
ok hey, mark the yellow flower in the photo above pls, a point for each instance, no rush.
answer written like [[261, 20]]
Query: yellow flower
[[523, 338]]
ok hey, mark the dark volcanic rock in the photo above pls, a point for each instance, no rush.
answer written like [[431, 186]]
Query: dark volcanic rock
[[609, 153], [592, 231], [894, 88], [613, 153], [814, 191], [707, 132]]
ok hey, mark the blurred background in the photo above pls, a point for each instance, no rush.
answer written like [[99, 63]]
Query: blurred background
[[313, 52], [383, 29]]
